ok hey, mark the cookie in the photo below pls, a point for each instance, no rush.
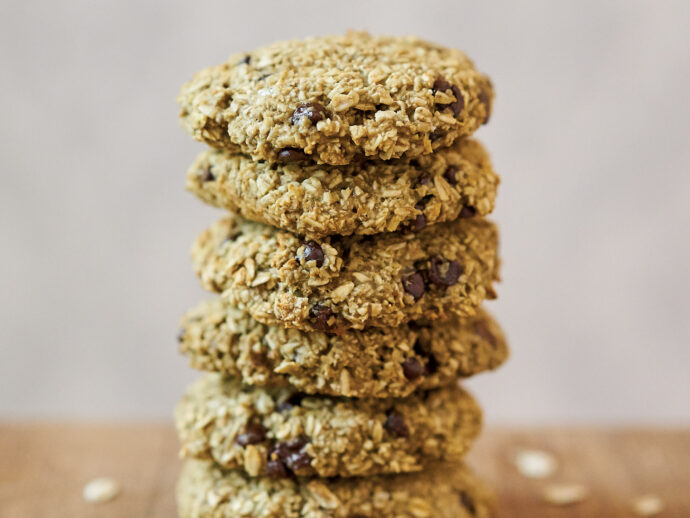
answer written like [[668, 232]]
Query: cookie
[[442, 491], [374, 362], [366, 198], [335, 99], [278, 432], [352, 282]]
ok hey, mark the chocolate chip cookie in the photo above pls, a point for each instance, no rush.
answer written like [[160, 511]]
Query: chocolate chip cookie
[[365, 198], [335, 99], [279, 432], [443, 491], [374, 362], [351, 282]]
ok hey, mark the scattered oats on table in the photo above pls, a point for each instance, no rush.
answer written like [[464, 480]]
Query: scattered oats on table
[[565, 494], [101, 489], [535, 463], [647, 505]]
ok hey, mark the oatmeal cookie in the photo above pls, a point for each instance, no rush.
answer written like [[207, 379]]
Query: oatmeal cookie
[[351, 282], [365, 198], [444, 490], [279, 432], [335, 99], [374, 362]]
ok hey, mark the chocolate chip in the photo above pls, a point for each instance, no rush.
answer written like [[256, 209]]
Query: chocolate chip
[[420, 220], [276, 469], [320, 315], [419, 223], [395, 424], [297, 461], [313, 252], [431, 366], [279, 451], [253, 433], [450, 175], [444, 273], [423, 202], [440, 85], [468, 212], [459, 103], [467, 502], [207, 175], [180, 335], [290, 454], [423, 349], [483, 331], [315, 112], [412, 368], [484, 98], [291, 154], [414, 285], [247, 59], [296, 444]]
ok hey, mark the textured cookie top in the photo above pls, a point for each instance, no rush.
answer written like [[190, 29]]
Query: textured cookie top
[[333, 99], [280, 431], [442, 491], [363, 198], [375, 362], [352, 282]]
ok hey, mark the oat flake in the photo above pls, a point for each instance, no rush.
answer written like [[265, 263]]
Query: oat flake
[[535, 463], [565, 494], [647, 505], [101, 489]]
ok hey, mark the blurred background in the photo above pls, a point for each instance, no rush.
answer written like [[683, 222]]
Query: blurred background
[[590, 133]]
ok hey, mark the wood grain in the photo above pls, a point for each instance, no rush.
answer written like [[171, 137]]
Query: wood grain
[[43, 468]]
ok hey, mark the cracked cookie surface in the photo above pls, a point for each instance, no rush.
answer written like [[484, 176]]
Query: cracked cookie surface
[[442, 491], [364, 198], [349, 282], [334, 99], [279, 432], [374, 362]]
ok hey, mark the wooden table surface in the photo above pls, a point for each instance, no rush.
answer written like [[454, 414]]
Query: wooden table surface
[[43, 468]]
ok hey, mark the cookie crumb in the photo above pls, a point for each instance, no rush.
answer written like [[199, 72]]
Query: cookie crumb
[[565, 494], [101, 489], [647, 505], [535, 463]]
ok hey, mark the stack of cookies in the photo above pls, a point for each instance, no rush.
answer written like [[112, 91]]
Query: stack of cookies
[[350, 269]]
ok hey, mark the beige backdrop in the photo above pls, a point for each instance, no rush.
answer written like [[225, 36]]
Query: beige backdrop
[[590, 134]]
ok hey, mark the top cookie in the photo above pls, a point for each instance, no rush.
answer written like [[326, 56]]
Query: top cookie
[[335, 99]]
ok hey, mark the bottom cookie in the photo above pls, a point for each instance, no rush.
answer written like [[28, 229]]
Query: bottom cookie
[[441, 491]]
